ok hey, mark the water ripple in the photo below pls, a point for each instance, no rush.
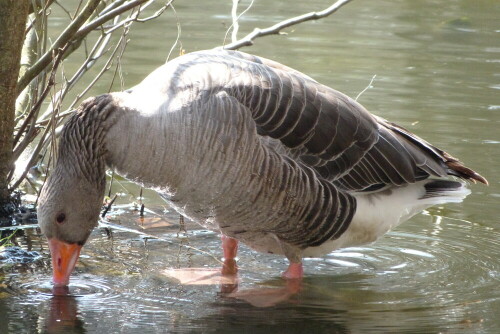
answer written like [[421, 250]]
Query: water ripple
[[444, 262], [94, 288]]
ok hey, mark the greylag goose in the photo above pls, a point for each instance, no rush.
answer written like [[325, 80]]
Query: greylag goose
[[248, 147]]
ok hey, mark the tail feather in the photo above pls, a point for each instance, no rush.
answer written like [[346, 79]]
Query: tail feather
[[462, 171], [454, 166]]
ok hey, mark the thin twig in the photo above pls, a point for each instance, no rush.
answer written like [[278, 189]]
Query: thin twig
[[103, 223], [108, 207], [34, 157], [236, 25], [123, 43], [237, 20], [111, 179], [65, 10], [105, 68], [35, 5], [39, 12], [20, 148], [113, 5], [136, 18], [141, 212], [83, 31], [276, 29], [98, 50], [178, 38], [366, 88]]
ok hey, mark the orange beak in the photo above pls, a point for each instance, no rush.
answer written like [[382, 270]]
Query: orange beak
[[64, 257]]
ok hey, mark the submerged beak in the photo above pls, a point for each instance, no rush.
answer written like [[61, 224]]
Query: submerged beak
[[64, 257]]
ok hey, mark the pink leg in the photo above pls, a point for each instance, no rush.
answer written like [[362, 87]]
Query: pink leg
[[230, 248], [294, 271]]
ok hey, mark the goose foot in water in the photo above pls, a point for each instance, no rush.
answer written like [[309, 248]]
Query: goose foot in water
[[229, 267], [230, 249], [264, 297], [295, 271]]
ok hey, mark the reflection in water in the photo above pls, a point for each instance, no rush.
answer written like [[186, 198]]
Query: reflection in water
[[268, 297], [227, 279], [420, 279], [62, 313]]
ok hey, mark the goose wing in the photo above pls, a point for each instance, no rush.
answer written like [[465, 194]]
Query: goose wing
[[330, 132]]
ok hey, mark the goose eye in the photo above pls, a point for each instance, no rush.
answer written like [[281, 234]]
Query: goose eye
[[61, 218]]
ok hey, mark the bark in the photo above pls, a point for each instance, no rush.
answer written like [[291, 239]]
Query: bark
[[13, 14]]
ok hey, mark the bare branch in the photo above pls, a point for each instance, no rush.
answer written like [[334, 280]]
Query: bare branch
[[28, 58], [98, 50], [68, 13], [112, 6], [118, 10], [75, 33], [36, 4], [121, 44], [37, 9], [276, 29], [54, 120], [367, 87], [236, 21], [34, 155], [90, 16], [236, 25], [135, 17], [63, 39], [106, 17], [157, 13]]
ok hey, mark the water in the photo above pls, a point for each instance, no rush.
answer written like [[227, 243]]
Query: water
[[437, 73]]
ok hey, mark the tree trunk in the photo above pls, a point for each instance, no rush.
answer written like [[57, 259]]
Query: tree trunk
[[13, 14]]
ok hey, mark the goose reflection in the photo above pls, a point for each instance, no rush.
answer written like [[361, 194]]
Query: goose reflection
[[62, 313]]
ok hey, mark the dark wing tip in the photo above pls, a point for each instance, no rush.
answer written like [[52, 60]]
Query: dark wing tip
[[464, 172]]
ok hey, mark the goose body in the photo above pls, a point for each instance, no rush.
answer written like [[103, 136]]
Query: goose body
[[251, 148]]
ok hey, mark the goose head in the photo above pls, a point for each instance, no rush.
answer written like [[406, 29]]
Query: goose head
[[71, 198], [68, 211]]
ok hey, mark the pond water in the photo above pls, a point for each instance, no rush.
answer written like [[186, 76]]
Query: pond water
[[437, 67]]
